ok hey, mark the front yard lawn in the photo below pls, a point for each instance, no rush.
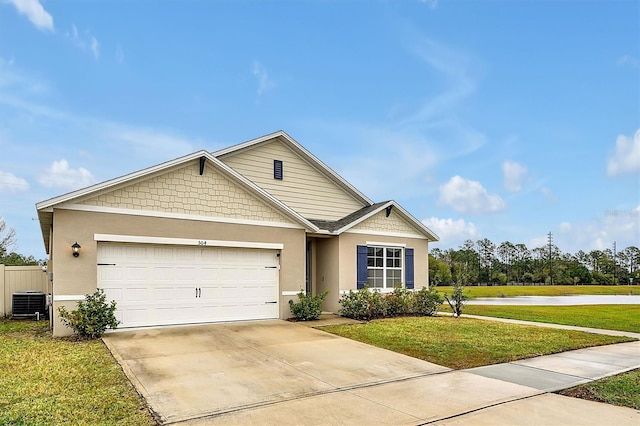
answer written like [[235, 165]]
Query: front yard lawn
[[54, 381], [623, 389], [607, 317], [460, 343]]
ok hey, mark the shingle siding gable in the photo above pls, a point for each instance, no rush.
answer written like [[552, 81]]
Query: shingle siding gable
[[184, 191], [392, 224]]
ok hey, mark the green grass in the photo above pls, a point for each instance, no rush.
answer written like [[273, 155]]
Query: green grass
[[607, 317], [464, 342], [47, 381], [623, 390], [544, 290]]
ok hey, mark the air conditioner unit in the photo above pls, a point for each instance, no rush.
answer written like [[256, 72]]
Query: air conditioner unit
[[28, 304]]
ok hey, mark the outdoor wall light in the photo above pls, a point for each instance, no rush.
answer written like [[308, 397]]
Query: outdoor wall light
[[76, 249]]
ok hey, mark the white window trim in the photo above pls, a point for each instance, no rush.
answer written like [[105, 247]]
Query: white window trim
[[384, 268]]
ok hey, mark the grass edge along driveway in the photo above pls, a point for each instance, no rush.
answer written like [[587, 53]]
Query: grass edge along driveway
[[46, 380], [461, 343]]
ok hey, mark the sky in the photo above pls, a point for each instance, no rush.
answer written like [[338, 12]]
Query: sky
[[504, 120]]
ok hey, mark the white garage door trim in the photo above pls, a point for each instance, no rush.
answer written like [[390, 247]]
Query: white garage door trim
[[162, 284], [185, 241]]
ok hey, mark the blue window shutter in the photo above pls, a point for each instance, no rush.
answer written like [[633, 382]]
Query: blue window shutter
[[361, 266], [408, 268]]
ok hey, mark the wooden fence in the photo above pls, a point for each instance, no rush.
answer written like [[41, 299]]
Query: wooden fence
[[19, 278]]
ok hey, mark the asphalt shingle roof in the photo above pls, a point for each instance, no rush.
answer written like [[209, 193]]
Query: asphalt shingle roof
[[331, 226]]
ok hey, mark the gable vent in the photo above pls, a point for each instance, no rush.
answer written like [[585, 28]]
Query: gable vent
[[277, 169]]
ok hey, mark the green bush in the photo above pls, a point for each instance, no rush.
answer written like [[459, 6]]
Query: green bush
[[427, 301], [93, 316], [367, 305], [362, 304], [400, 302], [308, 307]]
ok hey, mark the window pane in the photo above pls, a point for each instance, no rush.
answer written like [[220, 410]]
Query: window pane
[[374, 278], [370, 261], [397, 263], [394, 277], [379, 262], [378, 251], [370, 251]]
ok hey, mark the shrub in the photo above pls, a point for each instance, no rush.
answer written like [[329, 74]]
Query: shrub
[[427, 301], [93, 316], [400, 302], [362, 304], [458, 298], [308, 307]]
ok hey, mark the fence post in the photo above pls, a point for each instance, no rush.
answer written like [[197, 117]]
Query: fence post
[[2, 311]]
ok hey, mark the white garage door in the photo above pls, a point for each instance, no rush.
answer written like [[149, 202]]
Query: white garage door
[[161, 285]]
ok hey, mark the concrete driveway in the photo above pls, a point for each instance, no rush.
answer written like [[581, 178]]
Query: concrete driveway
[[277, 372]]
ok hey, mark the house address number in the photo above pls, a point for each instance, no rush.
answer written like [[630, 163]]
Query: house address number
[[202, 242]]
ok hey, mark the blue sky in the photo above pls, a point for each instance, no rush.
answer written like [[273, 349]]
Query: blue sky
[[497, 119]]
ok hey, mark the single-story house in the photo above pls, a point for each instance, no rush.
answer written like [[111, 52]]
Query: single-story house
[[226, 236]]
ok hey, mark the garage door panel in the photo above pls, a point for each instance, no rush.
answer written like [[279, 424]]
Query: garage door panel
[[162, 285]]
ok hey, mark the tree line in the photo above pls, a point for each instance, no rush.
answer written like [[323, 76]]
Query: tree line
[[484, 262], [7, 244]]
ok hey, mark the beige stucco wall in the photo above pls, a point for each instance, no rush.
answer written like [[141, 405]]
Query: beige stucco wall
[[393, 223], [348, 243], [303, 187], [184, 191], [327, 271], [78, 276]]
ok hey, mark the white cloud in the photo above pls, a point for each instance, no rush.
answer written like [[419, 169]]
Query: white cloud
[[433, 4], [629, 60], [85, 41], [452, 232], [265, 83], [626, 158], [547, 193], [95, 48], [61, 175], [10, 183], [34, 11], [119, 55], [565, 227], [469, 196], [514, 175], [621, 226]]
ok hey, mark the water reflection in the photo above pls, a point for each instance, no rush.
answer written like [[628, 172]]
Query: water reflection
[[557, 300]]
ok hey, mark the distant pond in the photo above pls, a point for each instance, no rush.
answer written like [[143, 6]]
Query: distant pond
[[557, 300]]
